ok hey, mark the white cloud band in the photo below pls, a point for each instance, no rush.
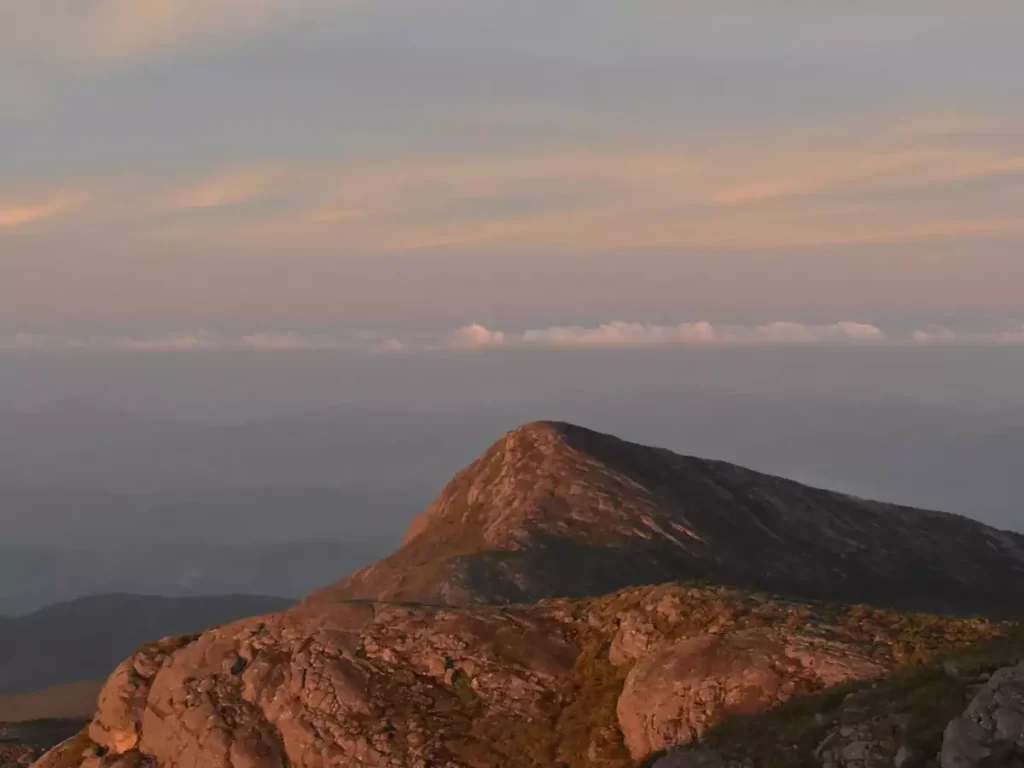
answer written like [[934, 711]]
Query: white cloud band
[[478, 337]]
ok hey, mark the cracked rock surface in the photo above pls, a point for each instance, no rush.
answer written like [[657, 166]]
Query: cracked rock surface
[[990, 732], [590, 682]]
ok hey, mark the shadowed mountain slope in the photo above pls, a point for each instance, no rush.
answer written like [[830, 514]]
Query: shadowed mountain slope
[[553, 509]]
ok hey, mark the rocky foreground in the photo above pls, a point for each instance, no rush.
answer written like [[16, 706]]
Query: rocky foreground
[[966, 711], [596, 682]]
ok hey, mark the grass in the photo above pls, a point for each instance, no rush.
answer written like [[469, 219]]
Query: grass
[[589, 717]]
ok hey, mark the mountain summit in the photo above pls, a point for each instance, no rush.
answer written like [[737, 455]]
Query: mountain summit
[[552, 509]]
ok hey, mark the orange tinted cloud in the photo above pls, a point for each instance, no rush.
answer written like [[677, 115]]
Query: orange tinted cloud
[[225, 189], [20, 213]]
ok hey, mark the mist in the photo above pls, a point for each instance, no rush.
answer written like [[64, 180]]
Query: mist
[[276, 472]]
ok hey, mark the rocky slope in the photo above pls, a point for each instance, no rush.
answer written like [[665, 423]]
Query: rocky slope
[[965, 711], [557, 510], [589, 682]]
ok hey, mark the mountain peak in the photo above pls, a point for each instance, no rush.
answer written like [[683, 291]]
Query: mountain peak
[[509, 477], [554, 509]]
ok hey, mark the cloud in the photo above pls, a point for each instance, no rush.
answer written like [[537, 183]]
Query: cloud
[[226, 189], [703, 333], [390, 346], [785, 332], [174, 342], [104, 32], [613, 335], [621, 334], [283, 342], [474, 337], [17, 214], [1013, 335], [871, 188], [111, 31], [129, 28], [848, 189]]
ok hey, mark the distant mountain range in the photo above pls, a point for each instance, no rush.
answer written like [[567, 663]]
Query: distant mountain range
[[83, 640]]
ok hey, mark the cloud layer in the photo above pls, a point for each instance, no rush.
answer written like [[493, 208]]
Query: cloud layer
[[477, 337], [326, 163]]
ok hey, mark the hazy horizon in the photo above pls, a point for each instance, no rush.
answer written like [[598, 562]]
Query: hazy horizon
[[189, 472]]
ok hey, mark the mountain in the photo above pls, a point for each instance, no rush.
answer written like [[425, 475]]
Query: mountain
[[57, 546], [553, 509], [606, 658], [84, 639], [70, 701]]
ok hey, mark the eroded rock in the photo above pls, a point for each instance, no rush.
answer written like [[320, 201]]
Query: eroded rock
[[991, 730], [675, 695], [403, 686]]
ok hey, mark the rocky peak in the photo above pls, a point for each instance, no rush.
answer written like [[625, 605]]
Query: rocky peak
[[544, 477], [553, 509]]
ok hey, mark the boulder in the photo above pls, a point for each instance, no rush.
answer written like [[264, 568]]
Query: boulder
[[990, 732]]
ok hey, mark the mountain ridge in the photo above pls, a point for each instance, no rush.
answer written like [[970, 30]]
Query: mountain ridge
[[35, 652], [553, 509]]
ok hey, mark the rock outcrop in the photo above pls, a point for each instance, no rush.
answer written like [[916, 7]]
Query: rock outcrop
[[401, 686], [966, 711], [991, 730], [556, 510], [672, 697]]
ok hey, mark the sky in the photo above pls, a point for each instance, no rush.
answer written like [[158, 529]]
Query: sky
[[403, 176]]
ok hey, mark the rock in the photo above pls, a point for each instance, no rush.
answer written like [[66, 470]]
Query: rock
[[675, 695], [990, 732], [392, 686], [864, 746]]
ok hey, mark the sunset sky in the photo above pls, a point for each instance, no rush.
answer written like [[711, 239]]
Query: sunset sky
[[463, 173]]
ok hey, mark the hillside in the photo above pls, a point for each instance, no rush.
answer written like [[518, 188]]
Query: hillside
[[85, 639], [554, 509]]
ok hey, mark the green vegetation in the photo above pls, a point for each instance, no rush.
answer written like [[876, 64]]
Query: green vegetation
[[588, 731]]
